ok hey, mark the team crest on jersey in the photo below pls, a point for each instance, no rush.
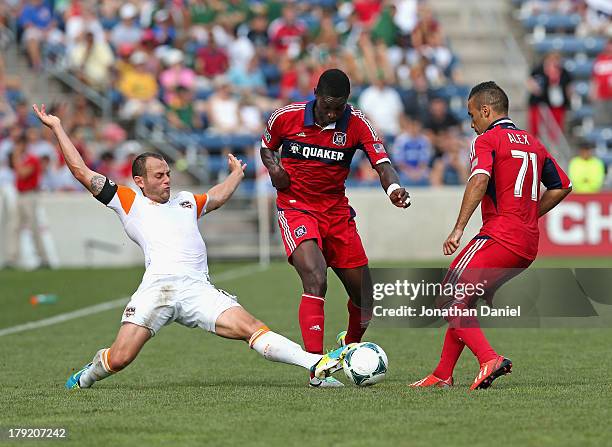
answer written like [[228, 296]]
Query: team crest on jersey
[[378, 148], [300, 231], [129, 311], [339, 138], [186, 204]]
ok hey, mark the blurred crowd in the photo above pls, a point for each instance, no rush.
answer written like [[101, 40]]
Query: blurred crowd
[[220, 67], [572, 84], [594, 15]]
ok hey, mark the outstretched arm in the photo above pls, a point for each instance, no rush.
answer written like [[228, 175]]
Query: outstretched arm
[[91, 180], [474, 192], [388, 177], [221, 193]]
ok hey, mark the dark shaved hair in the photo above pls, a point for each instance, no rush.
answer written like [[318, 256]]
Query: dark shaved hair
[[334, 83], [139, 165], [490, 94]]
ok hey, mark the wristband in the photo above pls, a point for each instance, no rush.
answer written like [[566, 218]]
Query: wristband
[[392, 187]]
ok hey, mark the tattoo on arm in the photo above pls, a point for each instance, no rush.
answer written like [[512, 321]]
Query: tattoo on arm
[[96, 184]]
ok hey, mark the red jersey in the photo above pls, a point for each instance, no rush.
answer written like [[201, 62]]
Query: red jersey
[[32, 181], [602, 77], [516, 162], [318, 159]]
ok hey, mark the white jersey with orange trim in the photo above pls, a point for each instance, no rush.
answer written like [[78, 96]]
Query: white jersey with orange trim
[[167, 232]]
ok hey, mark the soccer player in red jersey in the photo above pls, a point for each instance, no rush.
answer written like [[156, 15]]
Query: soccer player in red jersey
[[507, 167], [316, 141]]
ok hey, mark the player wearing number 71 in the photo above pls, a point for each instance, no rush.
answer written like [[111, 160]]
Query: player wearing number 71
[[507, 167]]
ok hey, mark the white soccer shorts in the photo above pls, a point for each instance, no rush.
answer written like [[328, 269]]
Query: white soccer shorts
[[162, 299]]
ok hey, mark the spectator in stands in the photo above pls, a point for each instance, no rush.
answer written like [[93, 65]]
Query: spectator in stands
[[251, 118], [80, 19], [601, 86], [28, 171], [165, 33], [223, 109], [451, 168], [48, 175], [384, 29], [92, 59], [442, 59], [382, 104], [417, 99], [127, 31], [439, 124], [108, 13], [107, 165], [249, 78], [37, 145], [24, 115], [211, 60], [9, 214], [426, 25], [287, 31], [139, 89], [176, 75], [596, 18], [181, 111], [258, 31], [412, 154], [303, 91], [38, 26], [586, 171], [240, 49], [325, 34], [83, 115], [406, 16], [8, 116], [367, 11], [549, 86], [148, 45]]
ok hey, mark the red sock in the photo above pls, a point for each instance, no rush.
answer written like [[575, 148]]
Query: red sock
[[451, 351], [312, 322], [468, 330], [359, 320]]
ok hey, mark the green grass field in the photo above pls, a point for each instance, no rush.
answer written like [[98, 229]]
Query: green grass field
[[190, 388]]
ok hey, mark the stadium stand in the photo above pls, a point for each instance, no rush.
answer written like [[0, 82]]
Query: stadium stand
[[580, 31], [263, 54]]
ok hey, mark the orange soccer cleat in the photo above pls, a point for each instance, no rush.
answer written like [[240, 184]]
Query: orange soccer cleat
[[432, 380], [490, 371]]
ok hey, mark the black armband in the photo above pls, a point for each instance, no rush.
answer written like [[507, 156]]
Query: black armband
[[108, 192]]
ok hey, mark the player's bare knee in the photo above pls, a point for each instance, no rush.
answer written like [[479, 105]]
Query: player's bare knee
[[315, 282]]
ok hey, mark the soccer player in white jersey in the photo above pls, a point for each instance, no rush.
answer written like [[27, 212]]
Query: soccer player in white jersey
[[175, 286]]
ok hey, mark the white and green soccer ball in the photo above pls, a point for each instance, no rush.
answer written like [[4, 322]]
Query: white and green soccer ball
[[365, 364]]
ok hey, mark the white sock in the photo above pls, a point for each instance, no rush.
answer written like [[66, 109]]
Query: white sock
[[99, 370], [276, 348]]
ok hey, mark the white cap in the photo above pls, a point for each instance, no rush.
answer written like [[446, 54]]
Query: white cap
[[139, 57], [161, 15], [128, 11], [173, 56]]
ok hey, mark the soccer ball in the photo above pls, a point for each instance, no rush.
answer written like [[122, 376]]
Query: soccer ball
[[365, 364]]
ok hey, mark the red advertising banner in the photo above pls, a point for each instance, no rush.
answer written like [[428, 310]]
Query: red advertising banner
[[581, 225]]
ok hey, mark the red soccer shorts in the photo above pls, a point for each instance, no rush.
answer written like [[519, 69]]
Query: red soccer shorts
[[335, 233], [485, 260]]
